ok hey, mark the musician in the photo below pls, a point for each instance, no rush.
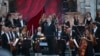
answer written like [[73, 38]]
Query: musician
[[89, 39], [76, 20], [61, 42], [49, 31], [2, 18], [58, 32], [97, 19], [88, 18], [42, 21], [20, 22], [70, 36], [12, 38], [15, 19], [96, 32], [66, 21], [6, 39], [9, 20], [37, 34], [54, 19], [26, 43]]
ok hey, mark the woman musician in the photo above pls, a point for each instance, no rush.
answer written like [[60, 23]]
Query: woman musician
[[24, 43], [86, 44]]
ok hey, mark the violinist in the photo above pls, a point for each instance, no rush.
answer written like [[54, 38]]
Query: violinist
[[61, 41], [89, 49]]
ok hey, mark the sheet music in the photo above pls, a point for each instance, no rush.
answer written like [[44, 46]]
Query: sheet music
[[76, 43], [15, 42]]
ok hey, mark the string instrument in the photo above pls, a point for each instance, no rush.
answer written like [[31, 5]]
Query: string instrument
[[83, 45], [92, 36], [12, 47], [36, 46], [37, 42], [71, 44], [12, 44]]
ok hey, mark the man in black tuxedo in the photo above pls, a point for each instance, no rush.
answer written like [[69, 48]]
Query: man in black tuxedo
[[96, 32], [19, 22], [61, 40], [7, 21], [49, 31], [0, 19], [6, 39]]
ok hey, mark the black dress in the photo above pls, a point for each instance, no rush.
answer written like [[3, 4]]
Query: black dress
[[89, 49]]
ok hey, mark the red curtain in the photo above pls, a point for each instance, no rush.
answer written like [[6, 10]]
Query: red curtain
[[30, 8], [34, 22], [33, 9], [53, 6]]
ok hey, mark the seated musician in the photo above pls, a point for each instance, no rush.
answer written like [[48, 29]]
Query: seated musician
[[20, 22], [97, 19], [36, 39], [86, 44], [96, 33], [71, 36], [26, 42], [61, 43], [66, 21], [6, 39], [88, 18], [58, 32], [38, 34], [76, 20]]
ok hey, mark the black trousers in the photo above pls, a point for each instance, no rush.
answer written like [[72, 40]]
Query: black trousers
[[62, 47], [51, 45], [25, 51]]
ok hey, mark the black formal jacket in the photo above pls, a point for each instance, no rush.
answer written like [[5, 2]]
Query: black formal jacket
[[65, 36], [0, 19], [97, 33], [5, 42], [17, 22], [8, 23], [49, 31]]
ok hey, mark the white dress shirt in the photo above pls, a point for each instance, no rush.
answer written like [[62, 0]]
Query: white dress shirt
[[95, 29], [22, 23], [8, 37]]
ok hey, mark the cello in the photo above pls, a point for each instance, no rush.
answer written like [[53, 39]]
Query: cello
[[83, 45]]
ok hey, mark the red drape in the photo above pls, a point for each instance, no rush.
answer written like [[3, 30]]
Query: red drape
[[33, 9], [34, 21], [30, 8], [53, 6]]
